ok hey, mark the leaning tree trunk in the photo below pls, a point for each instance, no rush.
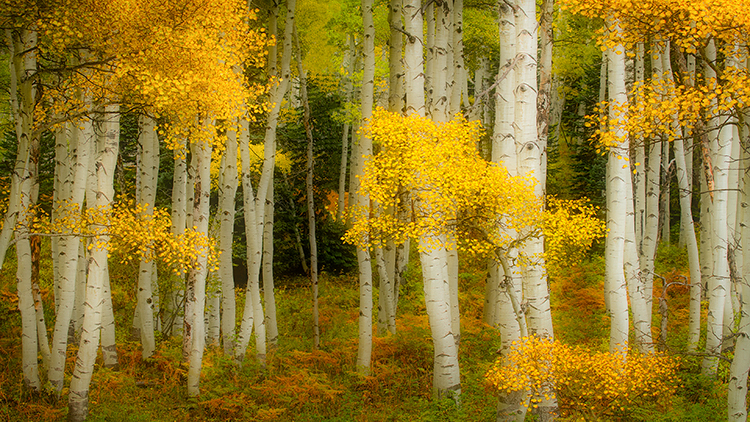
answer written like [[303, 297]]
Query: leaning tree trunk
[[253, 316]]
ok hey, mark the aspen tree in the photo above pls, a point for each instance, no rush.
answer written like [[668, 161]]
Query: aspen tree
[[618, 176], [148, 148], [719, 282], [253, 315], [78, 400], [364, 351], [531, 161], [227, 193], [198, 273]]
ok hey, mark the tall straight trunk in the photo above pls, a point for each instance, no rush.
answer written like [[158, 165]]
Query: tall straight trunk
[[364, 353], [446, 378], [78, 398], [440, 90], [176, 293], [617, 178], [23, 66], [639, 146], [189, 297], [108, 127], [18, 217], [532, 158], [506, 277], [29, 329], [227, 194], [272, 330], [719, 283], [653, 189], [395, 64], [148, 147], [459, 88], [198, 274], [428, 65]]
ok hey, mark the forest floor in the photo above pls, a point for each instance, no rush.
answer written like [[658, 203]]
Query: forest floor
[[302, 384]]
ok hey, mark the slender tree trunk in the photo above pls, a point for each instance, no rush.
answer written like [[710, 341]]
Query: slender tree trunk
[[149, 169], [176, 293], [348, 87], [719, 283], [272, 330], [227, 194], [108, 128], [364, 353], [197, 275], [95, 286], [71, 282], [532, 160], [687, 227], [253, 312]]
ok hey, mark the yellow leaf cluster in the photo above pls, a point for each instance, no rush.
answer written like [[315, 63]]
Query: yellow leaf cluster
[[181, 60], [130, 230], [597, 383], [570, 228], [434, 173]]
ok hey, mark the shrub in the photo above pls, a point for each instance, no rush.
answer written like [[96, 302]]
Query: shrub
[[584, 382]]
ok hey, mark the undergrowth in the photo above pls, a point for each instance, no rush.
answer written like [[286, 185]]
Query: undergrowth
[[302, 384]]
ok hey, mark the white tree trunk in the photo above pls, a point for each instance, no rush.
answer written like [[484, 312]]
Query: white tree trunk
[[253, 312], [617, 179], [70, 280], [719, 283], [175, 295], [364, 149], [413, 60], [95, 286], [272, 330], [148, 146], [532, 158], [227, 193], [446, 379], [197, 275]]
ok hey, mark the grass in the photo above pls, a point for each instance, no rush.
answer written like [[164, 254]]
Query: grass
[[302, 384]]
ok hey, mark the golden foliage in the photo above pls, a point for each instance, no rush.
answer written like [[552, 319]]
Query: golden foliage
[[434, 173], [130, 230], [570, 228], [596, 383]]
